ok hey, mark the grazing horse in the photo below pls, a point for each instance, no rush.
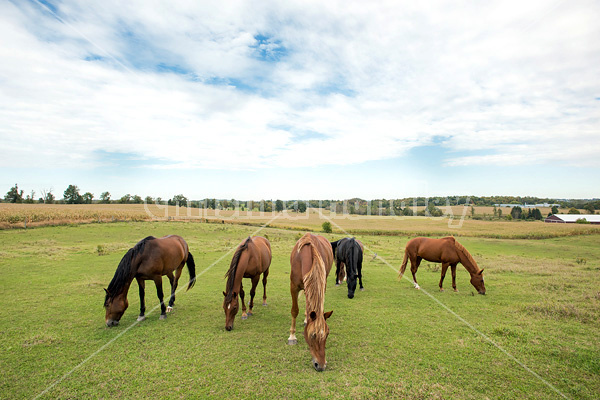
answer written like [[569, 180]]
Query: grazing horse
[[311, 261], [149, 259], [446, 251], [348, 252], [251, 258]]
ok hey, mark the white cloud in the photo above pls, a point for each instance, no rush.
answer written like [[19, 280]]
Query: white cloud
[[505, 83]]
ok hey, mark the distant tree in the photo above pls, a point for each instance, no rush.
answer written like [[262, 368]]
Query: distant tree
[[72, 196], [301, 207], [125, 199], [88, 197], [278, 205], [159, 200], [30, 199], [589, 207], [179, 200], [499, 213], [536, 214], [136, 199], [495, 212], [407, 211], [47, 196], [582, 221], [149, 200], [105, 197], [516, 212], [554, 210], [472, 211], [573, 210], [14, 195], [327, 227]]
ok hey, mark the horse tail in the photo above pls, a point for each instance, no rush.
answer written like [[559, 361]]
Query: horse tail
[[314, 280], [352, 258], [466, 258], [404, 262], [192, 270], [231, 272]]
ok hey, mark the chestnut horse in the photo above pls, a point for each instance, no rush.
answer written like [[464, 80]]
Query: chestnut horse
[[251, 258], [311, 261], [348, 255], [446, 251], [149, 259]]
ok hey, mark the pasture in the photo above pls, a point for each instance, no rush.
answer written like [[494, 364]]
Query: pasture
[[534, 335]]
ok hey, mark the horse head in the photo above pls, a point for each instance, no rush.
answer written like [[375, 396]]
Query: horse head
[[477, 282], [231, 308], [115, 308], [351, 280], [315, 334]]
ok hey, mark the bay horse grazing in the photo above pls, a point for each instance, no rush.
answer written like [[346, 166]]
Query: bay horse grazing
[[149, 259], [251, 258], [446, 251], [348, 253], [311, 261]]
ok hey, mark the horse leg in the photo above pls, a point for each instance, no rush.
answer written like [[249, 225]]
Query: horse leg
[[253, 292], [242, 295], [173, 286], [453, 268], [264, 281], [337, 272], [414, 266], [294, 292], [160, 294], [142, 287], [444, 269], [359, 268]]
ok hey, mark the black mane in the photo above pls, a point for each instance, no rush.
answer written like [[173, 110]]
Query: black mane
[[124, 273], [230, 275]]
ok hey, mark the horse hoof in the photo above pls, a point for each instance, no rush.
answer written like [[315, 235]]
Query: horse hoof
[[417, 287], [244, 317], [141, 318], [293, 341], [337, 284], [455, 290], [265, 303], [441, 290], [163, 316], [250, 313], [169, 309], [362, 289]]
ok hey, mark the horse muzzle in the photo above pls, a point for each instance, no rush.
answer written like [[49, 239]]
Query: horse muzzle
[[319, 367], [111, 323]]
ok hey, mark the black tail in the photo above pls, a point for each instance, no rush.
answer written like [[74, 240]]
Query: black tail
[[192, 270], [352, 255]]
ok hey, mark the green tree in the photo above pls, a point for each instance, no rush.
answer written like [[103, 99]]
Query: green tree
[[47, 196], [516, 212], [499, 213], [14, 195], [136, 199], [125, 199], [30, 199], [179, 200], [278, 205], [301, 207], [573, 210], [472, 211], [149, 200], [105, 197], [327, 227], [88, 197], [407, 211], [589, 207], [554, 210], [72, 196]]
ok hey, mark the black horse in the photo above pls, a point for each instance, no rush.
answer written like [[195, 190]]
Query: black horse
[[348, 252]]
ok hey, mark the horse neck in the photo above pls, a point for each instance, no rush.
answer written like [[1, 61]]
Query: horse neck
[[236, 279], [469, 265]]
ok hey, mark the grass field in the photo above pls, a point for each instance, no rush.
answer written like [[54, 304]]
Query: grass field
[[390, 341]]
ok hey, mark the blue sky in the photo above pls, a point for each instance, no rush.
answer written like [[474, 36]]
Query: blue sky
[[301, 99]]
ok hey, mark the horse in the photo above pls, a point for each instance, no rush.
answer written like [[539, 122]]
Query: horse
[[348, 252], [251, 258], [149, 259], [446, 251], [311, 261]]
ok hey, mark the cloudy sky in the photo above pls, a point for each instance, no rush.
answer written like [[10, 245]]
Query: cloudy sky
[[282, 99]]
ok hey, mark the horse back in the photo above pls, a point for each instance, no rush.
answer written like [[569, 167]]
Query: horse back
[[434, 250], [163, 255], [257, 257], [301, 261]]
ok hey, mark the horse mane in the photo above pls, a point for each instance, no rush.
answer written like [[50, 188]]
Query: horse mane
[[467, 255], [125, 272], [232, 271], [314, 284]]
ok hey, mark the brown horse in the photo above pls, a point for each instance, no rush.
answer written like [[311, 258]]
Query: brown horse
[[311, 261], [251, 258], [149, 259], [446, 251]]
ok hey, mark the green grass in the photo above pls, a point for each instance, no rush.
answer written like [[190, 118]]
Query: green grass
[[390, 341]]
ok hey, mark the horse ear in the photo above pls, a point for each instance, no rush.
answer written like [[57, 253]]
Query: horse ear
[[313, 315], [107, 292], [234, 294], [328, 314], [224, 294], [481, 272]]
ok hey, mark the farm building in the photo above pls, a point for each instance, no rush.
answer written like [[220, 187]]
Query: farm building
[[572, 218]]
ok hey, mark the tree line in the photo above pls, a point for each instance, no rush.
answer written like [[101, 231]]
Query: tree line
[[403, 206]]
